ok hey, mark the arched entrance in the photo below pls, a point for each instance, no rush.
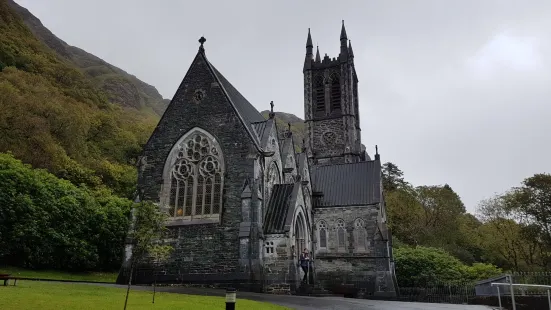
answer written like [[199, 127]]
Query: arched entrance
[[301, 233]]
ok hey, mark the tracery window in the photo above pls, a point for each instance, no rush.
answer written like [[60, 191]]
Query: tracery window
[[335, 92], [322, 235], [196, 177], [360, 235], [319, 95], [341, 235]]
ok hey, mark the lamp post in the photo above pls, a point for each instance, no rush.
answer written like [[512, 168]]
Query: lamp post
[[230, 299]]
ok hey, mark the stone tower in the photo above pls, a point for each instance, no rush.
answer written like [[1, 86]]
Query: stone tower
[[331, 105]]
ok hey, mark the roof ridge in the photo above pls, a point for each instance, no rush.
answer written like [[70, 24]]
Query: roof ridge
[[342, 164]]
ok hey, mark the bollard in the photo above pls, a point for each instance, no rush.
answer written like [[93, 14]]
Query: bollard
[[230, 299]]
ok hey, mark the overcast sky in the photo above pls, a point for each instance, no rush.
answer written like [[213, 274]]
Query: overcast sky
[[453, 92]]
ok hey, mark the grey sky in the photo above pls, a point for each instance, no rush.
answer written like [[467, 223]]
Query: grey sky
[[453, 92]]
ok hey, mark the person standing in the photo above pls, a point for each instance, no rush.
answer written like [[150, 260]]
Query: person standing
[[305, 264]]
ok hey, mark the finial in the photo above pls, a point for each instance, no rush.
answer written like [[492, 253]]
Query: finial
[[272, 114], [350, 52], [377, 156], [376, 149], [303, 147], [202, 40], [318, 58], [289, 126]]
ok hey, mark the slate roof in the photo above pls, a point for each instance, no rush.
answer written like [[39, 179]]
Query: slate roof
[[244, 108], [347, 184], [278, 208]]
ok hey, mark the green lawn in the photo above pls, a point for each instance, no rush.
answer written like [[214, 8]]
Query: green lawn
[[58, 275], [58, 296]]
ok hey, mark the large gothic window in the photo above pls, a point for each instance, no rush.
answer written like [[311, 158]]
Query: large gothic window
[[322, 235], [335, 92], [360, 235], [195, 177], [341, 235], [319, 95]]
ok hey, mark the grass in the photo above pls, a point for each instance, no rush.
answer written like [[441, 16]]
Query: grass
[[58, 296], [58, 275]]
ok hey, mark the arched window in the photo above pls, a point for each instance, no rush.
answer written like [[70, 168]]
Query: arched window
[[341, 235], [335, 92], [322, 235], [319, 95], [360, 235], [195, 177], [272, 178]]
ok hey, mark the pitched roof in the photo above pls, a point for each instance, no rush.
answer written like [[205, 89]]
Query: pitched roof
[[244, 108], [347, 184], [278, 208]]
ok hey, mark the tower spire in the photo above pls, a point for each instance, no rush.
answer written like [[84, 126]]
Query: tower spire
[[350, 52], [344, 46], [309, 53], [309, 45], [343, 32], [318, 58]]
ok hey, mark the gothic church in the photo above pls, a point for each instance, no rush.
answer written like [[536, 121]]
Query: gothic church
[[243, 203]]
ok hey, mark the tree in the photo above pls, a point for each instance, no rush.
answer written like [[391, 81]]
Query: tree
[[393, 177], [510, 242], [90, 225], [441, 209], [147, 234], [531, 205], [405, 216]]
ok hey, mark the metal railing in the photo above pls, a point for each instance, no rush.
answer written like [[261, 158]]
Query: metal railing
[[512, 290]]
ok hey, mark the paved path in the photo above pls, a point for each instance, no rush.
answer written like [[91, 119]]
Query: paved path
[[314, 303]]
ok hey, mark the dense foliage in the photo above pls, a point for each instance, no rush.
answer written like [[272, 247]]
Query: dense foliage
[[421, 266], [50, 223], [55, 117], [437, 240]]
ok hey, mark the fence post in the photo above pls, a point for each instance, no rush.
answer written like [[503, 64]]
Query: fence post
[[498, 297], [549, 299], [512, 288]]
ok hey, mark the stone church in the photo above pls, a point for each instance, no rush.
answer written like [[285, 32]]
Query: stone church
[[243, 203]]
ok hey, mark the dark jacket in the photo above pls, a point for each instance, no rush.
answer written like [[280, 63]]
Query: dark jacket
[[304, 260]]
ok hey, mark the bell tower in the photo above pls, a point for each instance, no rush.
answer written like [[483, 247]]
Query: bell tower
[[331, 105]]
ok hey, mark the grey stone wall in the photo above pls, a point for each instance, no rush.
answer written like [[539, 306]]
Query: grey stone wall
[[204, 252], [328, 139], [367, 269]]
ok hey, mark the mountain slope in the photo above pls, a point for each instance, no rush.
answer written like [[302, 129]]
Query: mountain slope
[[56, 117], [297, 126], [121, 88]]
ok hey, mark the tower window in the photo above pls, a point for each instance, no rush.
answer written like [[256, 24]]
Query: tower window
[[319, 95], [335, 93]]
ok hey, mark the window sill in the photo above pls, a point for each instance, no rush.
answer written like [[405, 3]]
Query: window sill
[[171, 222]]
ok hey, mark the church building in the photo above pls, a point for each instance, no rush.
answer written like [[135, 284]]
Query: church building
[[243, 203]]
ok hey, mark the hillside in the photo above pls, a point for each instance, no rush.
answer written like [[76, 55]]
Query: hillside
[[120, 87], [297, 126], [64, 119]]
